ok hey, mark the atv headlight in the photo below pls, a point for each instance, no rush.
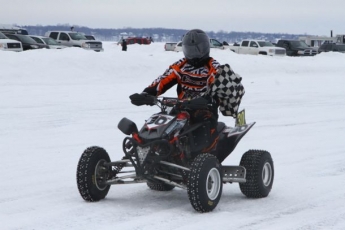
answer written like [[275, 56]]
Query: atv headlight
[[176, 125]]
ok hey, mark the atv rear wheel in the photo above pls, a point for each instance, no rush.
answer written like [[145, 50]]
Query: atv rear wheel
[[259, 173], [159, 186], [92, 174], [204, 184]]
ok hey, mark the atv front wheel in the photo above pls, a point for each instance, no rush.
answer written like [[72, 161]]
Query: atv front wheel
[[92, 174], [259, 173], [159, 186], [204, 184]]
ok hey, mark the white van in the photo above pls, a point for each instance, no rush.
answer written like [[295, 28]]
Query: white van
[[13, 29], [170, 46]]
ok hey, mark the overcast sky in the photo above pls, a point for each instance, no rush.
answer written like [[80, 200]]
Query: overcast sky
[[316, 17]]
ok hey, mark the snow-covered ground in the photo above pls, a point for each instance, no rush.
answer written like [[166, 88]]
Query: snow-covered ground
[[56, 103]]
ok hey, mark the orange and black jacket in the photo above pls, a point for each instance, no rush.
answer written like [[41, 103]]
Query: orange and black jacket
[[191, 81]]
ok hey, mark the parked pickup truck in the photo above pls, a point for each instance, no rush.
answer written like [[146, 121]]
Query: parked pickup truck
[[296, 48], [7, 44], [75, 39], [256, 47]]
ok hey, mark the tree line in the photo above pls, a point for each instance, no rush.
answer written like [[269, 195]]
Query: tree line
[[157, 34]]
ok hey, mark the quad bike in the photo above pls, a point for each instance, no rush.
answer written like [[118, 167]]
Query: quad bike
[[169, 151]]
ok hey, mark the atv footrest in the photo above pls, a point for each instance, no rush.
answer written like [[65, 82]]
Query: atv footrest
[[234, 174]]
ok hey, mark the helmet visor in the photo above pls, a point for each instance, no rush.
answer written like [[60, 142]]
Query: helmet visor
[[196, 51]]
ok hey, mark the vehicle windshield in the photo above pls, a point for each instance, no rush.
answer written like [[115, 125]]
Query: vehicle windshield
[[26, 39], [2, 36], [50, 41], [263, 44], [77, 36], [89, 37], [22, 31], [299, 44], [339, 47]]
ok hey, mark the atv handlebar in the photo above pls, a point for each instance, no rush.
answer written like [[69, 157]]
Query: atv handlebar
[[193, 104]]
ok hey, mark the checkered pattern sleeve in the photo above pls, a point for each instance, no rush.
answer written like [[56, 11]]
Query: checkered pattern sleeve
[[227, 87]]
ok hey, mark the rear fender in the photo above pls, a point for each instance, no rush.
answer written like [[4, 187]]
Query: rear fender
[[229, 140]]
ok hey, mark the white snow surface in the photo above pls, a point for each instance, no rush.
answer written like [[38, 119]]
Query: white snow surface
[[56, 103]]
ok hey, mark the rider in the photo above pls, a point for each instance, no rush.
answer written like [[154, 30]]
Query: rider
[[193, 75]]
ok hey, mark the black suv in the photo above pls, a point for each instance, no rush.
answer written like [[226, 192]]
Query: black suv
[[27, 42], [296, 48], [326, 47]]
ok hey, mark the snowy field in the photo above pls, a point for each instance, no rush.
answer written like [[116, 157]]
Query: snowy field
[[56, 103]]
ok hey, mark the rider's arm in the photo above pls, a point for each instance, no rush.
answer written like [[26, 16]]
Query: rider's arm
[[162, 83], [167, 80]]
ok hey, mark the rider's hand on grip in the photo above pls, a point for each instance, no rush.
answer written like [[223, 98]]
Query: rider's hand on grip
[[143, 99]]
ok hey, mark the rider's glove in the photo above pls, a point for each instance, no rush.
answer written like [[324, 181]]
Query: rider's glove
[[143, 99]]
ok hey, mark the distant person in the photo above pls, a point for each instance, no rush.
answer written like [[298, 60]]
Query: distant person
[[120, 41], [151, 39], [72, 28], [124, 45]]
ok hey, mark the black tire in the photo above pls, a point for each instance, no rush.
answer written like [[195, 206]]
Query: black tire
[[205, 184], [159, 186], [91, 174], [259, 173]]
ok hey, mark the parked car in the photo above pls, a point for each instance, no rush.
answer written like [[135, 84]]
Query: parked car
[[257, 47], [226, 45], [53, 44], [214, 43], [170, 46], [296, 48], [27, 42], [75, 39], [332, 47], [178, 47], [138, 40], [7, 44]]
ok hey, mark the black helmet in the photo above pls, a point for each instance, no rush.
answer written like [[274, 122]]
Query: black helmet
[[196, 47]]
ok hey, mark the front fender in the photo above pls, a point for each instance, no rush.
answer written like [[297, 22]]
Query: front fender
[[127, 126]]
